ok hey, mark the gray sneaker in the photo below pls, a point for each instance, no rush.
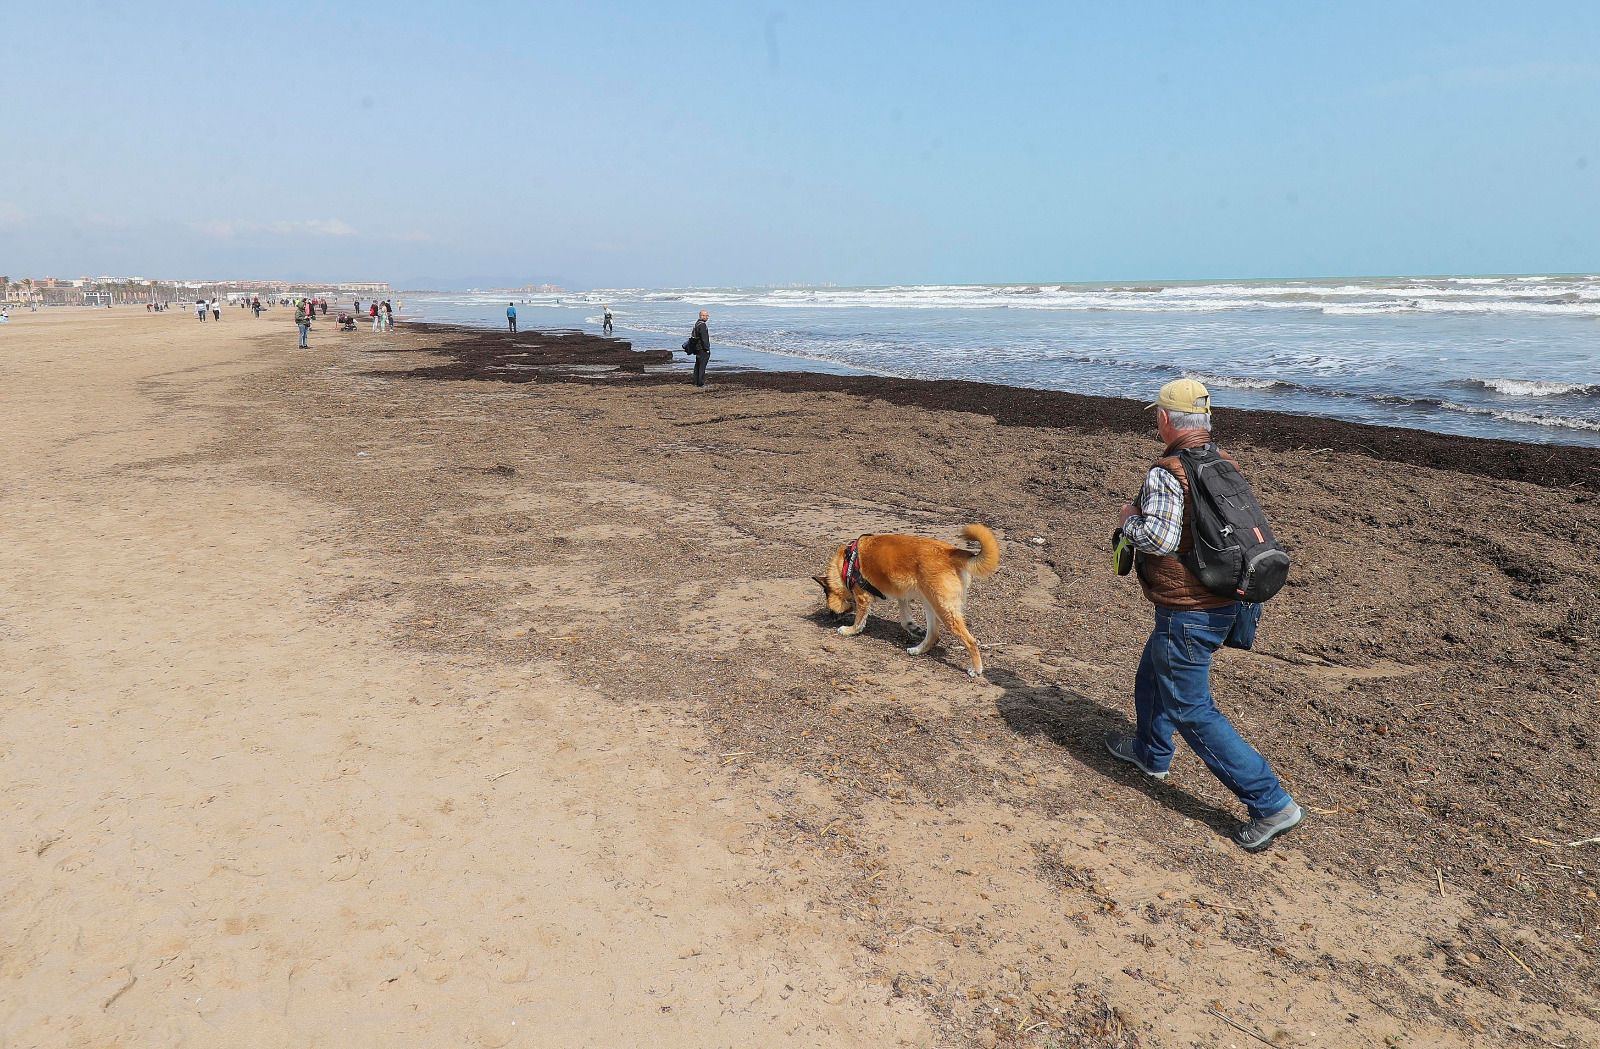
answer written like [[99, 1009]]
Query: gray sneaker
[[1121, 748], [1256, 834]]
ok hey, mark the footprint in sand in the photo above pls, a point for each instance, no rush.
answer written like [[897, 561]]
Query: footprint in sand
[[494, 1033]]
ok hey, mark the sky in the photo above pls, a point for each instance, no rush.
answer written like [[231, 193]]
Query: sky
[[733, 144]]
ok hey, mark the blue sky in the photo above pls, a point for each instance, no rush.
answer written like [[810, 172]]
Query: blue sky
[[721, 143]]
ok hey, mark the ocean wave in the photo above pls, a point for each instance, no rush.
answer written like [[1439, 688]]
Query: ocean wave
[[1423, 404], [1234, 382], [1436, 404], [1536, 387], [1356, 309], [1573, 296], [1565, 422]]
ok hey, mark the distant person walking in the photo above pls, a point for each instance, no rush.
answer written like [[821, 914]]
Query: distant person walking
[[255, 306], [699, 347], [1172, 690], [302, 320], [606, 326], [388, 316], [200, 308], [216, 309], [511, 317], [377, 321]]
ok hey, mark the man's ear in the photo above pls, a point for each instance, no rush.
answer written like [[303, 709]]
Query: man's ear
[[821, 582]]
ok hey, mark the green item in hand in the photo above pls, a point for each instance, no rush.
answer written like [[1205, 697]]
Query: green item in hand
[[1121, 552]]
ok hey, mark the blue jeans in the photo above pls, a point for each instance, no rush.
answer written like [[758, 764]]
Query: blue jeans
[[305, 329], [1173, 691]]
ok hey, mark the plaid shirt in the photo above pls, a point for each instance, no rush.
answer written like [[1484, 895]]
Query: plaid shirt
[[1158, 527]]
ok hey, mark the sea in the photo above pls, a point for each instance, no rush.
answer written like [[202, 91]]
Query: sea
[[1514, 357]]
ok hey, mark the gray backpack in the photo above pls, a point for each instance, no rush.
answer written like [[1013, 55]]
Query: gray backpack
[[1235, 554]]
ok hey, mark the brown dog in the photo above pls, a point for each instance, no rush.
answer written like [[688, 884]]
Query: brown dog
[[902, 567]]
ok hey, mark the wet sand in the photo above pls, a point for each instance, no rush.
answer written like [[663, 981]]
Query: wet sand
[[352, 709]]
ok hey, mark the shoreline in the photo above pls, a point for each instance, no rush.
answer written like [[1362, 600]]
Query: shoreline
[[484, 354]]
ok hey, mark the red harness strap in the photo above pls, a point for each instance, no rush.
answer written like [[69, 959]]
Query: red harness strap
[[854, 578]]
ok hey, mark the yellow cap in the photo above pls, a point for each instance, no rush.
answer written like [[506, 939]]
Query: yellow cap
[[1184, 395]]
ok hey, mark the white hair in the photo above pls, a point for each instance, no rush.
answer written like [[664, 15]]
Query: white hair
[[1189, 420]]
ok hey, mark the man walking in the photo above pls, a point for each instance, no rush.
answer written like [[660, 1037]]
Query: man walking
[[511, 317], [699, 346], [1172, 689], [606, 325]]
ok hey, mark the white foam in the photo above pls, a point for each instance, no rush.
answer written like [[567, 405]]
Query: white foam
[[1535, 387], [1529, 418], [1578, 296], [1356, 309], [1233, 382]]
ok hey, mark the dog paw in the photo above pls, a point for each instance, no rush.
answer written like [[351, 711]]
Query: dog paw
[[974, 674], [845, 631], [912, 650]]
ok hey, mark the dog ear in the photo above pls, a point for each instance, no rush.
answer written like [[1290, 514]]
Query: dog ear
[[821, 582]]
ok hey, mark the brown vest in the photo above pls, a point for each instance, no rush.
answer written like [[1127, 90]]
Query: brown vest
[[1167, 581]]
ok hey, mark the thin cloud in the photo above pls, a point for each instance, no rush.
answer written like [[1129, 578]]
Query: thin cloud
[[223, 230]]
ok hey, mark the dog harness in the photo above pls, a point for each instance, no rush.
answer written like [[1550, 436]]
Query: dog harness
[[854, 579]]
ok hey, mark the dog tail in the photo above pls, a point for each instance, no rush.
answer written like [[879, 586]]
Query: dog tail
[[987, 559]]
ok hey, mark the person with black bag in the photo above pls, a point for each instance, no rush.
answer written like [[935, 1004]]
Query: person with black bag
[[1206, 558], [698, 346]]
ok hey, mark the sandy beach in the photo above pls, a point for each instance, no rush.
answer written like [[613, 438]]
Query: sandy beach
[[446, 688]]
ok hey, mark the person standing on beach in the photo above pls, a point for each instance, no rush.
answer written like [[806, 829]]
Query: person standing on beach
[[699, 346], [1172, 689], [216, 309], [302, 320], [606, 326], [511, 317], [388, 316], [377, 322], [200, 308]]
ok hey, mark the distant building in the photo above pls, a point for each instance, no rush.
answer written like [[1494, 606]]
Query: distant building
[[109, 290]]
